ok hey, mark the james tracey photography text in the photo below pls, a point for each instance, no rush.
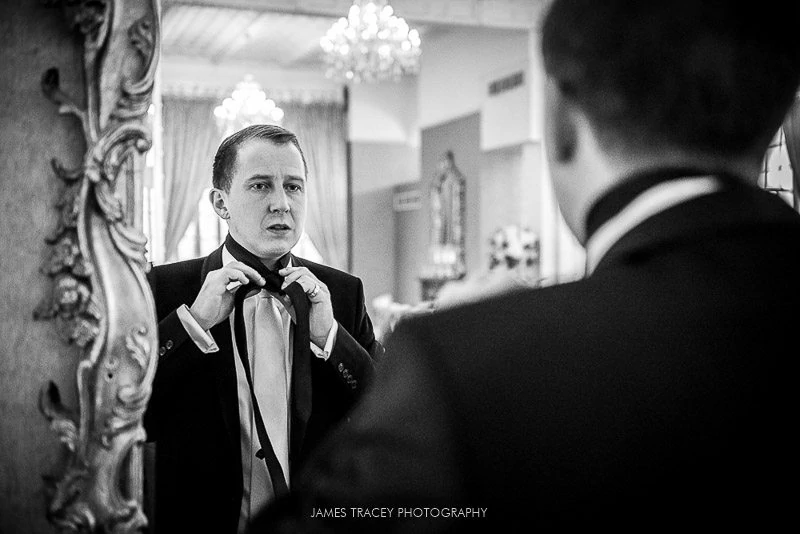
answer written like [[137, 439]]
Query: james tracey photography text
[[390, 513]]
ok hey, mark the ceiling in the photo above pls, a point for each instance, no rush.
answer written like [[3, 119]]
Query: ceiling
[[284, 34], [222, 34], [219, 35]]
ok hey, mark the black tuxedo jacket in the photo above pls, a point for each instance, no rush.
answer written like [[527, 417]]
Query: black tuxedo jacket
[[193, 411], [656, 394]]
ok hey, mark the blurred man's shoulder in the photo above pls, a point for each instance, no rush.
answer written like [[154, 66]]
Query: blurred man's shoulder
[[497, 320]]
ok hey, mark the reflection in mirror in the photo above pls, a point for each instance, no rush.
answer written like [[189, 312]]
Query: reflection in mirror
[[447, 211], [368, 140], [447, 242], [374, 152]]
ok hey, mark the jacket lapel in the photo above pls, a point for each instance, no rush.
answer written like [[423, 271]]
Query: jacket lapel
[[227, 387], [301, 394], [212, 262], [224, 369]]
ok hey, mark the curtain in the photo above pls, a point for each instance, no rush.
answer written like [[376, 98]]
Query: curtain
[[320, 128], [791, 129], [191, 139]]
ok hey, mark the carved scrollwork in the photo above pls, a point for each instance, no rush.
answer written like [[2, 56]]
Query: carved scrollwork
[[62, 421], [127, 408], [135, 99], [100, 299]]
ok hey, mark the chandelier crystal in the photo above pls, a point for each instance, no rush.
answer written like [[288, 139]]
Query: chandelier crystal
[[247, 105], [371, 44]]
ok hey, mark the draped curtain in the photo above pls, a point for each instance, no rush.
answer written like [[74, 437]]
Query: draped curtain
[[320, 128], [191, 139], [791, 129]]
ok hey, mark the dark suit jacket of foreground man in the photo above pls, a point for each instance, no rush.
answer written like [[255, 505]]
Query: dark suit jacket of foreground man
[[658, 393], [193, 411]]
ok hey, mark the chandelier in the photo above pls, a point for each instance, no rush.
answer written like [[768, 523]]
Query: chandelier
[[247, 105], [370, 44]]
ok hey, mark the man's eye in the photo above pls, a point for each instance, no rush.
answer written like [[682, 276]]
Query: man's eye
[[259, 186], [294, 188]]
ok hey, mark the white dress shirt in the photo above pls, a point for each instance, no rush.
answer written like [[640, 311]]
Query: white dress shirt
[[271, 369]]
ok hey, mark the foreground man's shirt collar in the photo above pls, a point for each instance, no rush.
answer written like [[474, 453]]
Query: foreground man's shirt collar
[[637, 202]]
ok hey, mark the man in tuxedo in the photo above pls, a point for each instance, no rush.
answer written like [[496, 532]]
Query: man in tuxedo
[[657, 393], [261, 352]]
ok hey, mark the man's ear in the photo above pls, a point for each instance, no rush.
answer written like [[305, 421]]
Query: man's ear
[[562, 125], [219, 200]]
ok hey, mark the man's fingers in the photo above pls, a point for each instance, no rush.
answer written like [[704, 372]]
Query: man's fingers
[[236, 274], [302, 277], [293, 277], [233, 285], [249, 272], [310, 285]]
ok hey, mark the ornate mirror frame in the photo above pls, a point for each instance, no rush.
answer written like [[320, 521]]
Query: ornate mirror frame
[[100, 299]]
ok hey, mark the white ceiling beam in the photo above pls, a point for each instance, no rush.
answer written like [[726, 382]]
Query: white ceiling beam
[[509, 14]]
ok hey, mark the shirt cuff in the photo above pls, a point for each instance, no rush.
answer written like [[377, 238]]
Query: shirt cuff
[[202, 338], [325, 353]]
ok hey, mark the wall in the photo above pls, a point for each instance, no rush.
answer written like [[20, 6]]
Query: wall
[[385, 152], [462, 137], [33, 38], [410, 247], [385, 112], [492, 140], [512, 179], [200, 76], [376, 169], [505, 115], [510, 186], [457, 65]]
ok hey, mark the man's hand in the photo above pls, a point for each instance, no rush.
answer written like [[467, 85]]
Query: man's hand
[[320, 316], [215, 301]]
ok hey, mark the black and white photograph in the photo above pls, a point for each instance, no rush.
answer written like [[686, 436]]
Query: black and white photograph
[[398, 266]]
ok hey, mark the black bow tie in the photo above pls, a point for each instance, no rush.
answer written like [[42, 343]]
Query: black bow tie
[[301, 344]]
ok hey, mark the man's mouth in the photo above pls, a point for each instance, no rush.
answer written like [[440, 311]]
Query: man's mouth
[[278, 227]]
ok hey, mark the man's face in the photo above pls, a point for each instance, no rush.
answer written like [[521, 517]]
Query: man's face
[[267, 199]]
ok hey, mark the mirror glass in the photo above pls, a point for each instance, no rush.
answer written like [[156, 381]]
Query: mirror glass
[[426, 180], [377, 150]]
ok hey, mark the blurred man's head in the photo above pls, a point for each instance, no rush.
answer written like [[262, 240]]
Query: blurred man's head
[[680, 83], [259, 179]]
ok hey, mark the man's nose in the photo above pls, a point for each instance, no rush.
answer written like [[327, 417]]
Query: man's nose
[[278, 201]]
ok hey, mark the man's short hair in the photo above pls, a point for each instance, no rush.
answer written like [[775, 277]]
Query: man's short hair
[[225, 160], [708, 76]]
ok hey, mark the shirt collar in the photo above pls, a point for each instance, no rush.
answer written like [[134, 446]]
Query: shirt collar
[[645, 203], [228, 258]]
